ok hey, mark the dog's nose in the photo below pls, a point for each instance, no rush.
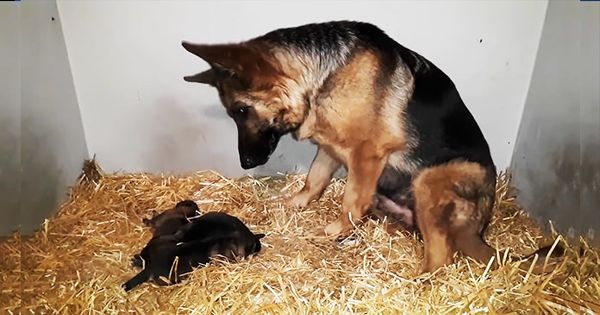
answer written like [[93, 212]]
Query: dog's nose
[[247, 163]]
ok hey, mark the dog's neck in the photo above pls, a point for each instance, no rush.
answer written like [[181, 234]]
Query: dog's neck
[[307, 74]]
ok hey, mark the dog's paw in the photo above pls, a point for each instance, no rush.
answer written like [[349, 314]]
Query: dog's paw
[[126, 287], [316, 233], [336, 228], [298, 200]]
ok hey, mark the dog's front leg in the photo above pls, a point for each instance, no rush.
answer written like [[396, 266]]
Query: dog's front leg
[[319, 176], [365, 165]]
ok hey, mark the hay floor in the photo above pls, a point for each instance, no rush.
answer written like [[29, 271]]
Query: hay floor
[[80, 257]]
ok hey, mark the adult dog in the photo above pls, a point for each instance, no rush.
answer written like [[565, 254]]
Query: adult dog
[[390, 116]]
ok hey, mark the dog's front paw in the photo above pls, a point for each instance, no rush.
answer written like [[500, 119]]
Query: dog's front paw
[[298, 200], [336, 228]]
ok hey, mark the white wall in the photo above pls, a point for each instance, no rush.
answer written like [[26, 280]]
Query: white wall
[[139, 114]]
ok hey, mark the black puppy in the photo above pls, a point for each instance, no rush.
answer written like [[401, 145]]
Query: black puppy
[[169, 221], [173, 256]]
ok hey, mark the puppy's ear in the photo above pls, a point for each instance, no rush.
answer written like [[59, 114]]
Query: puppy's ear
[[259, 236]]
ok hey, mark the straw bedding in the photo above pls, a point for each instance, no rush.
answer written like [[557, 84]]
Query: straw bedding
[[79, 258]]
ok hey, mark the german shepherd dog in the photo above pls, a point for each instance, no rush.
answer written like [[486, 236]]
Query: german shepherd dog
[[393, 119]]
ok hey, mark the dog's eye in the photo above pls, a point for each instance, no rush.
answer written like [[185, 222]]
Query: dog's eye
[[241, 110]]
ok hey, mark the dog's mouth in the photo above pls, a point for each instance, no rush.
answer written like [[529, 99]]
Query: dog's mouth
[[256, 151], [249, 162]]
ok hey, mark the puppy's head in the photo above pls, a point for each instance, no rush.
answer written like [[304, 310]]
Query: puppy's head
[[187, 208], [257, 245], [255, 91], [152, 221]]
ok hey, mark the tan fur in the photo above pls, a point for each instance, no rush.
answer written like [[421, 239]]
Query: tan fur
[[348, 129], [353, 121], [447, 221], [357, 122], [360, 125]]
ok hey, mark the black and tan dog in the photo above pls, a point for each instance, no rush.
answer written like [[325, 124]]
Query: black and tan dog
[[390, 116]]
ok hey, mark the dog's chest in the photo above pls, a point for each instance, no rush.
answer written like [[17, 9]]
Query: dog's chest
[[402, 162]]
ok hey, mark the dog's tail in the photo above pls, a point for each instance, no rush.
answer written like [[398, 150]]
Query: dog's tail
[[480, 194], [547, 256]]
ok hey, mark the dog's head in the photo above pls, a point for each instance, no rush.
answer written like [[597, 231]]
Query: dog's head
[[254, 89]]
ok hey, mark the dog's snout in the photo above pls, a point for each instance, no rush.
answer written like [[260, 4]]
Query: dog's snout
[[247, 162]]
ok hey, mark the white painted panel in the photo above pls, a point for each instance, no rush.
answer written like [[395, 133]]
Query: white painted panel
[[139, 115]]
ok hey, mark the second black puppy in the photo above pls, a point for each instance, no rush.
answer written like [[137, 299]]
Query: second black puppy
[[173, 256], [169, 221]]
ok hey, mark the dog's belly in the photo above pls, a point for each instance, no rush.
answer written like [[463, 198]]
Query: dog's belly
[[394, 197], [398, 211], [397, 175]]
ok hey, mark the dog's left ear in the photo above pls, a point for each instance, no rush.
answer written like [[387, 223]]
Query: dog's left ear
[[244, 61]]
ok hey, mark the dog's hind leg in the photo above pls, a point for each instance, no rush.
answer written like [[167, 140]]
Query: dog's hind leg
[[319, 175], [453, 206]]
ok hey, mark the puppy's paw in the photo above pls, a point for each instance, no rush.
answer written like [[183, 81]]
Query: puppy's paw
[[137, 261], [126, 287]]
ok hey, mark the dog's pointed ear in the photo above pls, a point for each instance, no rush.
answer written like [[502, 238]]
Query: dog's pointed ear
[[225, 56], [242, 61], [211, 76]]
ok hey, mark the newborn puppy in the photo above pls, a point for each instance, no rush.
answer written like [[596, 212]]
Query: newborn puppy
[[169, 221], [206, 225], [173, 256]]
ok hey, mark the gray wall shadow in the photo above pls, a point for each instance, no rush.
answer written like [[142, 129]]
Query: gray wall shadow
[[52, 140], [556, 162]]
